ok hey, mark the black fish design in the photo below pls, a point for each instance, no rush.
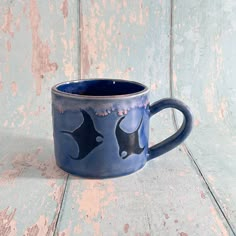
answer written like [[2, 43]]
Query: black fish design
[[86, 136], [128, 142]]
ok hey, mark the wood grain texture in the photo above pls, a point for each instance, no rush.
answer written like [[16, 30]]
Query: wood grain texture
[[119, 40], [155, 201], [203, 74], [38, 48], [127, 40], [130, 40], [31, 186]]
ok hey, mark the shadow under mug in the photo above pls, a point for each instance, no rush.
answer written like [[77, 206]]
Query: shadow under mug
[[101, 127]]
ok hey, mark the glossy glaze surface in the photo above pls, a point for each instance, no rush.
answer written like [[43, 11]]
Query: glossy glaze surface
[[114, 142], [184, 45]]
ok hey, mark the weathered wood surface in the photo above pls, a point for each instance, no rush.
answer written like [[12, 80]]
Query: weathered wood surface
[[166, 198], [38, 47], [131, 41], [44, 43], [204, 72]]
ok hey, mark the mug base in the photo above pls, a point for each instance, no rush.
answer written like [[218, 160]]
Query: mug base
[[85, 176]]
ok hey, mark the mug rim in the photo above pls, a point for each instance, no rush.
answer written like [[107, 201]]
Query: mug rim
[[55, 89]]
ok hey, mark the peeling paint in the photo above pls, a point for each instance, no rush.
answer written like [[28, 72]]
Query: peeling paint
[[182, 173], [77, 229], [57, 194], [73, 40], [166, 216], [64, 233], [126, 228], [5, 123], [99, 197], [209, 98], [40, 51], [100, 69], [64, 8], [22, 162], [123, 17], [124, 3], [7, 222], [8, 45], [30, 33], [17, 23], [196, 122], [183, 234], [85, 61], [219, 58], [223, 109], [219, 221], [123, 74], [203, 196], [52, 38], [154, 87], [96, 227], [111, 26], [14, 88], [104, 2], [141, 20], [132, 18], [41, 227], [6, 27], [69, 70], [105, 50], [8, 176], [64, 42], [211, 179], [37, 112], [1, 83], [68, 46], [21, 110]]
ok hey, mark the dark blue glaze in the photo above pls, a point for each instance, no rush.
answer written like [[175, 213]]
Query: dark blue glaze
[[177, 138], [101, 127], [101, 88]]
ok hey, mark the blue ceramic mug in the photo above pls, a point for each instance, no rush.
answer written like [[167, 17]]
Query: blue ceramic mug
[[101, 127]]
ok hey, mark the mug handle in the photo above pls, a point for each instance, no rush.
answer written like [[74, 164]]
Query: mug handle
[[180, 135]]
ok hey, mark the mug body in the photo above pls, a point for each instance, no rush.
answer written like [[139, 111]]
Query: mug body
[[100, 127]]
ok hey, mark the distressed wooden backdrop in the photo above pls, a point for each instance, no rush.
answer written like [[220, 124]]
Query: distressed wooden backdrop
[[179, 48]]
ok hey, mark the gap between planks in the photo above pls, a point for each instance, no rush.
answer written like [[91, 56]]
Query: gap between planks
[[61, 205], [175, 124], [174, 119], [79, 55]]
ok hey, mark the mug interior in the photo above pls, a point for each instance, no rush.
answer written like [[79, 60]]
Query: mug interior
[[102, 87]]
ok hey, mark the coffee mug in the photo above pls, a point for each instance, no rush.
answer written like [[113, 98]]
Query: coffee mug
[[101, 127]]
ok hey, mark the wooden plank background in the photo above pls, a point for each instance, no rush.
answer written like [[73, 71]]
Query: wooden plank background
[[38, 48], [204, 75], [178, 48]]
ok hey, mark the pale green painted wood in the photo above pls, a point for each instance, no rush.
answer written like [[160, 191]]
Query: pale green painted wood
[[131, 41], [114, 43], [38, 47], [165, 198], [31, 186], [119, 39], [204, 55]]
